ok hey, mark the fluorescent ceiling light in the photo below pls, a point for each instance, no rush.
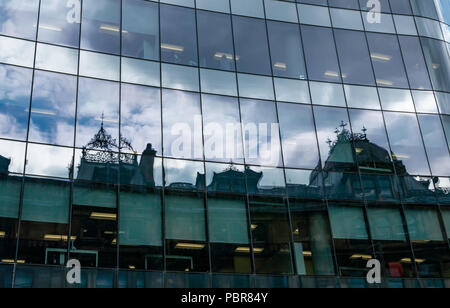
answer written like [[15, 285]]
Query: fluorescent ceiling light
[[307, 253], [247, 250], [380, 56], [12, 261], [106, 120], [358, 150], [2, 233], [253, 226], [103, 216], [408, 260], [361, 256], [42, 111], [55, 237], [191, 246], [280, 65], [334, 74], [51, 28], [112, 28], [132, 267], [384, 82], [172, 47], [400, 156]]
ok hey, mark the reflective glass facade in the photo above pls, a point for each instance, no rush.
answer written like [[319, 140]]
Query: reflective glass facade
[[224, 143]]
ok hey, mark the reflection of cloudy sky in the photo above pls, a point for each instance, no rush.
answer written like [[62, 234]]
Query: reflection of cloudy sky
[[15, 51], [15, 89], [373, 122], [218, 168], [141, 117], [53, 108], [181, 107], [18, 17], [14, 151], [404, 137], [297, 133], [95, 98], [261, 112], [182, 171], [48, 160], [327, 120], [219, 111]]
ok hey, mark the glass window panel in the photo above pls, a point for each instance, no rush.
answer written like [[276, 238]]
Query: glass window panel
[[329, 94], [178, 39], [222, 6], [400, 7], [183, 174], [17, 52], [218, 82], [312, 238], [304, 183], [15, 91], [215, 41], [297, 135], [188, 3], [406, 144], [446, 123], [180, 77], [446, 218], [424, 101], [405, 25], [140, 112], [281, 11], [12, 155], [286, 50], [362, 97], [100, 26], [396, 100], [346, 19], [386, 224], [98, 106], [185, 218], [45, 222], [314, 15], [320, 54], [346, 4], [271, 181], [140, 72], [334, 144], [94, 224], [49, 161], [57, 59], [222, 129], [415, 64], [443, 101], [99, 65], [295, 91], [182, 131], [252, 51], [386, 25], [140, 34], [140, 233], [423, 224], [372, 150], [228, 220], [270, 230], [261, 133], [354, 57], [438, 63], [387, 60], [429, 28], [435, 144], [59, 22], [347, 222], [255, 86], [252, 8], [367, 6], [19, 18], [53, 108], [424, 8], [226, 178]]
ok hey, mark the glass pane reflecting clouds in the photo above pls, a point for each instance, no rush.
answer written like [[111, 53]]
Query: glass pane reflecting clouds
[[19, 18], [12, 154], [15, 90], [141, 117], [53, 108], [98, 102], [49, 161], [59, 59], [17, 52]]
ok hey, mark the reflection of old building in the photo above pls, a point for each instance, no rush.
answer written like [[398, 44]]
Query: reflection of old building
[[100, 161], [4, 164]]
